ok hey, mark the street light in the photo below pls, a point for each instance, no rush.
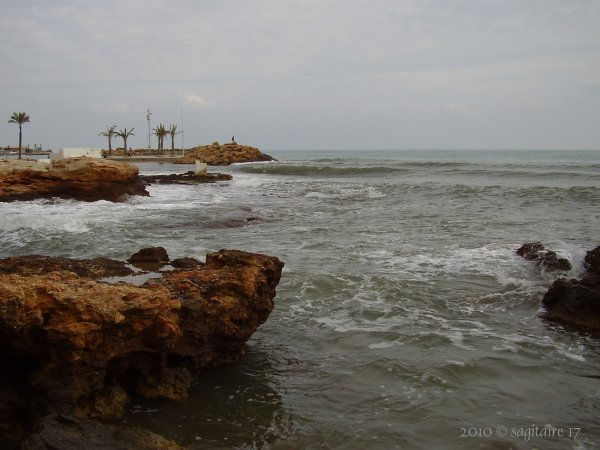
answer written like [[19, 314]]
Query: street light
[[148, 114]]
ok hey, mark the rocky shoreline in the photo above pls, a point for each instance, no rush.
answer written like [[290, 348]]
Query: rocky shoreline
[[85, 179], [77, 348]]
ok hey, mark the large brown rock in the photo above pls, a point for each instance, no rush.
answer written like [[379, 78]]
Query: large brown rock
[[87, 179], [222, 155], [73, 344]]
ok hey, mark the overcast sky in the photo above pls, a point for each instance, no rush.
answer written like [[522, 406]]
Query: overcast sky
[[306, 74]]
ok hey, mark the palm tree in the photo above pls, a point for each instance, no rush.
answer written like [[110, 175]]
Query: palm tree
[[160, 132], [19, 119], [109, 133], [173, 131], [124, 134]]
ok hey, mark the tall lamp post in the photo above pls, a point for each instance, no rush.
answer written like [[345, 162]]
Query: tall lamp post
[[182, 147], [148, 114]]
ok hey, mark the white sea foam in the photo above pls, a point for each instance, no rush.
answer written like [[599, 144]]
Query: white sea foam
[[317, 195], [380, 345]]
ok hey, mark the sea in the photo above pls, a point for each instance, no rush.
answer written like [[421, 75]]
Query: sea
[[403, 319]]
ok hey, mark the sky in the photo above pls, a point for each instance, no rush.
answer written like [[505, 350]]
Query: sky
[[305, 74]]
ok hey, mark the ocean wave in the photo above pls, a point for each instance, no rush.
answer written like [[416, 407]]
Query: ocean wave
[[540, 173], [356, 168], [318, 170]]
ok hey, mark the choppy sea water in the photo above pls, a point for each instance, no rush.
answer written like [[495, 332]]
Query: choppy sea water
[[403, 318]]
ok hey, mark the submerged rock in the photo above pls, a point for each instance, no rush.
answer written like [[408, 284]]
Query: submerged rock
[[87, 179], [74, 345], [530, 251], [222, 155], [551, 262], [535, 251], [185, 178], [577, 302]]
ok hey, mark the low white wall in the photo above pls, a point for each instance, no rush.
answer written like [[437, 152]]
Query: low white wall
[[74, 152]]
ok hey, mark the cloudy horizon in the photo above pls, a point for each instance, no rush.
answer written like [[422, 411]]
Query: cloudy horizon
[[329, 74]]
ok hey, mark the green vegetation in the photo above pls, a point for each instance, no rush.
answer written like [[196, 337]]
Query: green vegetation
[[19, 119], [109, 133], [124, 134], [173, 131], [160, 132]]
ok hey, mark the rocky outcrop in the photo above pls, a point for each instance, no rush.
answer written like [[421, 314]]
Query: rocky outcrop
[[185, 178], [87, 179], [577, 302], [222, 155], [547, 259], [73, 344]]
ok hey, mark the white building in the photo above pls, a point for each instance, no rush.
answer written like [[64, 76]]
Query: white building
[[74, 152]]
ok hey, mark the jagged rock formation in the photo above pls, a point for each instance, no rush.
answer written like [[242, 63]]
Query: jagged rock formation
[[577, 302], [73, 344], [87, 179], [185, 178], [535, 251], [222, 155]]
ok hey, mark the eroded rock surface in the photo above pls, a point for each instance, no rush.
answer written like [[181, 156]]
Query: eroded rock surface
[[87, 179], [222, 155], [577, 302], [74, 345]]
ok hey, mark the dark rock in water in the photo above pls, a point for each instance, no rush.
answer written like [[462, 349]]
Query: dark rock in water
[[59, 431], [577, 302], [534, 251], [150, 255], [573, 302], [551, 262], [185, 263], [530, 250], [592, 262], [73, 345], [185, 178]]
